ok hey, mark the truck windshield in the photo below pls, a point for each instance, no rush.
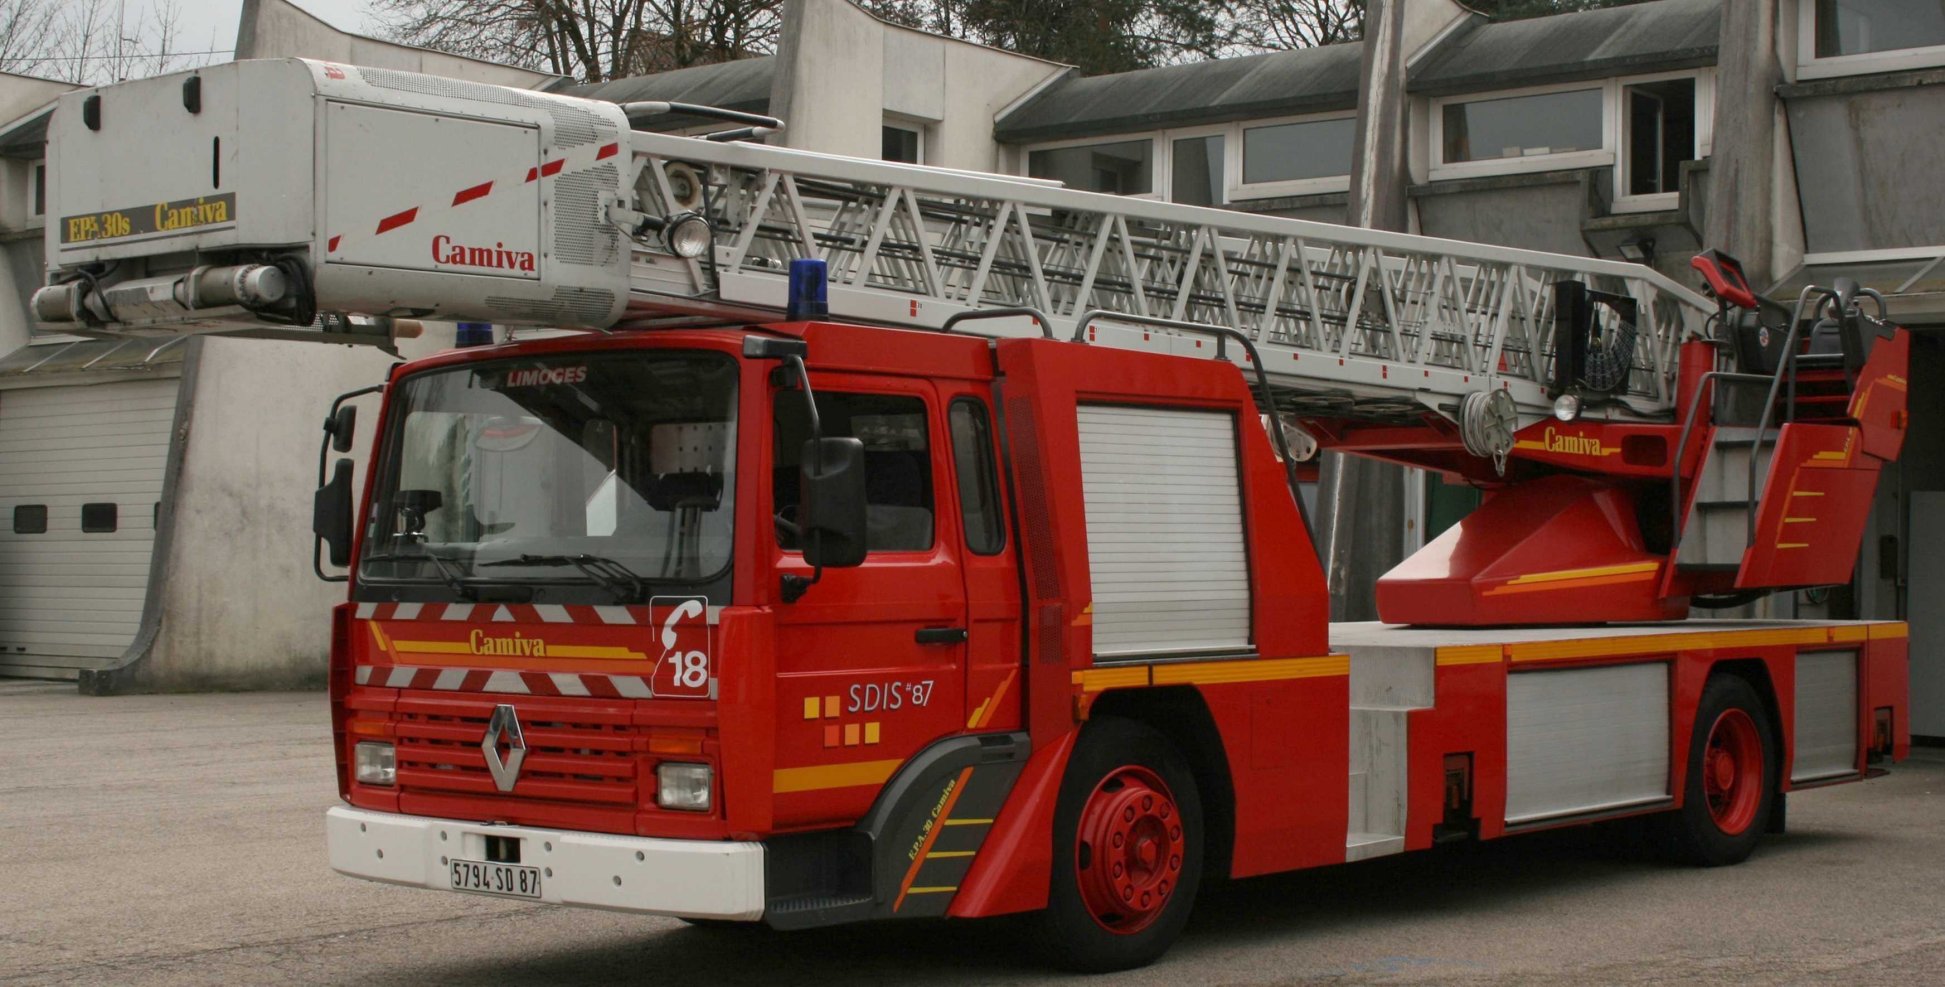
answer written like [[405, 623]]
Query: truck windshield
[[590, 478]]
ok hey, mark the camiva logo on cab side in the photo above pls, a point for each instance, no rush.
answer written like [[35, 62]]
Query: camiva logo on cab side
[[496, 257], [517, 645]]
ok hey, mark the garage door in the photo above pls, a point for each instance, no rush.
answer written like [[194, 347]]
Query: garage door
[[80, 476]]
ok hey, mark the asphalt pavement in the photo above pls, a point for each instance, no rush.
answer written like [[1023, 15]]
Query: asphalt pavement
[[180, 840]]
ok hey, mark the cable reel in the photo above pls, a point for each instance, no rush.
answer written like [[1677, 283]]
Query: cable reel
[[1487, 421]]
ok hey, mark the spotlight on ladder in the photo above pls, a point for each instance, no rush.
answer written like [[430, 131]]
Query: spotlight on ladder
[[686, 235]]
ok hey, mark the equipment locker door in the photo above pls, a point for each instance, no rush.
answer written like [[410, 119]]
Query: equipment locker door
[[871, 659]]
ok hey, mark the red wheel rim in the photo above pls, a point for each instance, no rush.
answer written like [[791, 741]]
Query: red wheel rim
[[1128, 850], [1732, 771]]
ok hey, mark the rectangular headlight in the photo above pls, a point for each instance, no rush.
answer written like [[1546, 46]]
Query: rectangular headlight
[[683, 786], [376, 763]]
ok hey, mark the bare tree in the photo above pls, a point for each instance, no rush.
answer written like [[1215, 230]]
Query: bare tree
[[591, 40], [1280, 24], [90, 42], [26, 36]]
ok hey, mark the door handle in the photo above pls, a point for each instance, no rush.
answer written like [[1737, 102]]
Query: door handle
[[940, 635]]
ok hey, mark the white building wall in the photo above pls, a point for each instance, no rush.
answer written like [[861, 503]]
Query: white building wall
[[841, 71], [240, 606], [21, 95], [280, 29]]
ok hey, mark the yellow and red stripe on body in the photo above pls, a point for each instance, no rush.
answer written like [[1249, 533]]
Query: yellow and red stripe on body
[[1211, 672], [1581, 649], [1607, 575]]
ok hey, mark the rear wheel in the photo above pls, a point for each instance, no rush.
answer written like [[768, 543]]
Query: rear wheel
[[1127, 850], [1732, 777]]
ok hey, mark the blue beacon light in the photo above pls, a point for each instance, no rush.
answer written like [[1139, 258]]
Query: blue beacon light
[[809, 294]]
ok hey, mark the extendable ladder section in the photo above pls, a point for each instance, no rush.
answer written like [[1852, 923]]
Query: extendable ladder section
[[1348, 321]]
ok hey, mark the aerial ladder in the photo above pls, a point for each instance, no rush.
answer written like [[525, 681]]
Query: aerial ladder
[[1645, 446]]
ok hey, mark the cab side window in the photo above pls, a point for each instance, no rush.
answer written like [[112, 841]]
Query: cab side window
[[979, 494], [897, 457]]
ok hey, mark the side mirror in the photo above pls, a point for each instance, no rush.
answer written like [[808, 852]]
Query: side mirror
[[331, 516], [832, 495], [342, 427]]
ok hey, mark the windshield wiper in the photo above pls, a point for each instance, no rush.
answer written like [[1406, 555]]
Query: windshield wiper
[[612, 576], [448, 572]]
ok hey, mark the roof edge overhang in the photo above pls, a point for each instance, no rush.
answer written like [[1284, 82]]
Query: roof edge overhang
[[1607, 68], [1340, 101]]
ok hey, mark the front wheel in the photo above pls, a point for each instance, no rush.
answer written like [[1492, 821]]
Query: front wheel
[[1732, 777], [1127, 850]]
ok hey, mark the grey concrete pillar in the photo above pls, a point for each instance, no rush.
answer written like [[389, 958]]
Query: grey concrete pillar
[[1360, 502], [1743, 165]]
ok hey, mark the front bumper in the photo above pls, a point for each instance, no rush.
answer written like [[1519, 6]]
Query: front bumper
[[690, 878]]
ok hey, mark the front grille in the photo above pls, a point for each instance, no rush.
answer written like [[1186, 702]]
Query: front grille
[[575, 756]]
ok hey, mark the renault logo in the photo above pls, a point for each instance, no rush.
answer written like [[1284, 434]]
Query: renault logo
[[504, 726]]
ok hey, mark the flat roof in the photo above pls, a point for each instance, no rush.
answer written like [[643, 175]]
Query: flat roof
[[1641, 37], [743, 84], [1306, 80]]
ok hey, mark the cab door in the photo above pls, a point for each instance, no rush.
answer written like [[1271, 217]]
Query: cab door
[[990, 561], [870, 660]]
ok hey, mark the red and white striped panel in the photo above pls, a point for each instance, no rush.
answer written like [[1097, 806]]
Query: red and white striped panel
[[509, 681], [517, 613], [574, 160]]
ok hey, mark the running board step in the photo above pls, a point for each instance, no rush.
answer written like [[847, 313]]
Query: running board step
[[807, 911], [1364, 846]]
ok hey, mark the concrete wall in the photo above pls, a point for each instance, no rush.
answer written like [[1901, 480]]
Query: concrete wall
[[840, 71], [240, 606], [21, 266], [1538, 212], [22, 97], [279, 29], [23, 94]]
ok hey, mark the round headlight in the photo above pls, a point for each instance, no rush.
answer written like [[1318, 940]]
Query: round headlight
[[687, 236], [1566, 407]]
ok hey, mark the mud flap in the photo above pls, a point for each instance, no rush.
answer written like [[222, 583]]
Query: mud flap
[[906, 857]]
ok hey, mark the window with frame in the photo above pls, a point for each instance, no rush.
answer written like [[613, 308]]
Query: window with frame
[[1514, 127], [1116, 167], [1658, 134], [902, 144], [1196, 170], [30, 519], [100, 518], [1863, 27], [1301, 151], [897, 458], [39, 202], [978, 476]]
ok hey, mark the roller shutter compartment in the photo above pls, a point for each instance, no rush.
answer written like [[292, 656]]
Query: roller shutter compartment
[[1165, 549]]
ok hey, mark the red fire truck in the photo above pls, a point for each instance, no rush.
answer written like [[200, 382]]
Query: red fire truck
[[911, 543]]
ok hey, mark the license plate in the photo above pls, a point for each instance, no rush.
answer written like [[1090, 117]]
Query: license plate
[[511, 880]]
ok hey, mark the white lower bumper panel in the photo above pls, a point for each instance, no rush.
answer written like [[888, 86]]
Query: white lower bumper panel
[[693, 878]]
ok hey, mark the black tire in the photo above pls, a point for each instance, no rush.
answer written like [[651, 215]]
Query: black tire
[[1127, 758], [1715, 827]]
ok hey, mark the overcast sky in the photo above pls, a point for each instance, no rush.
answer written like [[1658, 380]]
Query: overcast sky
[[204, 20]]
